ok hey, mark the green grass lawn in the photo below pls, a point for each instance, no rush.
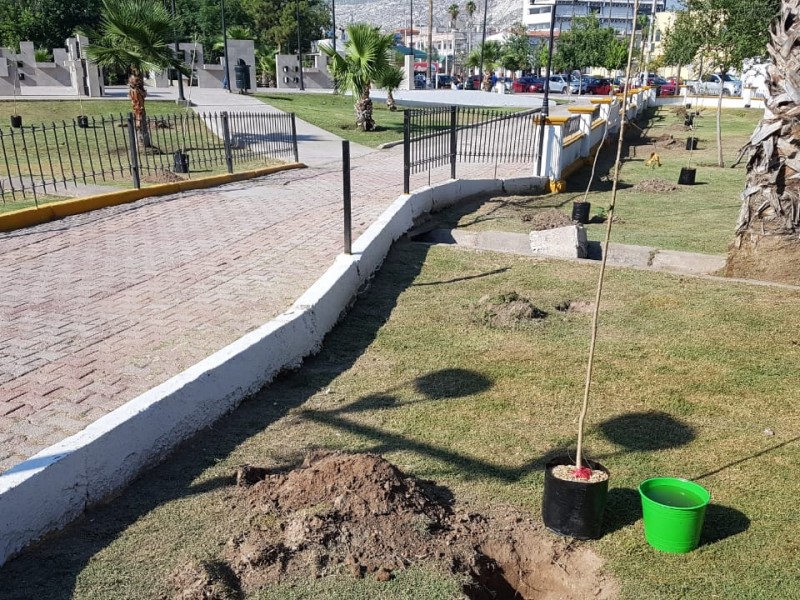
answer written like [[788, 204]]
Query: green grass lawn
[[334, 113], [698, 218], [689, 373]]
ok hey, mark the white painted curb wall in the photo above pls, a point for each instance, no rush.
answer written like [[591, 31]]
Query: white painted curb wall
[[55, 486]]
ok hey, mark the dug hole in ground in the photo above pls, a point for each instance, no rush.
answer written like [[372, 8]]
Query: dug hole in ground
[[360, 514]]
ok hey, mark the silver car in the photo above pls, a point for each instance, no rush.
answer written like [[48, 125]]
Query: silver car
[[559, 83]]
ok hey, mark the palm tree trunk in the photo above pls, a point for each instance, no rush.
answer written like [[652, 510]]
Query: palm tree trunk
[[390, 103], [767, 243], [137, 94], [363, 109]]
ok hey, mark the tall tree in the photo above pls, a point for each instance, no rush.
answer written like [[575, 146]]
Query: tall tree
[[730, 31], [366, 61], [767, 243], [585, 44], [276, 20], [681, 41], [134, 36], [46, 23], [518, 52], [453, 11]]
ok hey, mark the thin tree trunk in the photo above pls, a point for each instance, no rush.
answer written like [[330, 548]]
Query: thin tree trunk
[[720, 162]]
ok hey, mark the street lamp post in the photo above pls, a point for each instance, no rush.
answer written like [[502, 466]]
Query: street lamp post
[[226, 82], [333, 19], [483, 43], [546, 98], [299, 52], [179, 75]]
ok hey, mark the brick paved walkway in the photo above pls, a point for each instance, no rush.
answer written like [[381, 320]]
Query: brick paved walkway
[[98, 308]]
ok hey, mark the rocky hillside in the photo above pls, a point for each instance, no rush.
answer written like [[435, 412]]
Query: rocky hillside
[[390, 14]]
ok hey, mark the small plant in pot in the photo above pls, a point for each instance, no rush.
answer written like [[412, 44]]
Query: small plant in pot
[[576, 490]]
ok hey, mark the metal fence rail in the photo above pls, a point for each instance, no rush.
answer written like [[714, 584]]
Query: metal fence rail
[[57, 159], [436, 136]]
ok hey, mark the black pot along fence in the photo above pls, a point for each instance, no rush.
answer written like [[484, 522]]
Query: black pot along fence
[[435, 137], [57, 159]]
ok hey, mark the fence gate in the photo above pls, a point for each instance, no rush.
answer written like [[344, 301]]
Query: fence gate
[[436, 136]]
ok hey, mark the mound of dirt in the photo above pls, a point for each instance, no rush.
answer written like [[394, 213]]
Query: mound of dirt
[[654, 185], [547, 219], [358, 514], [163, 177], [507, 311]]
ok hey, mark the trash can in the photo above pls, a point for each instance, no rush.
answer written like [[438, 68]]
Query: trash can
[[242, 74]]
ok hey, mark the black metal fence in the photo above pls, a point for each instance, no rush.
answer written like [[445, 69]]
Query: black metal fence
[[437, 136], [57, 159]]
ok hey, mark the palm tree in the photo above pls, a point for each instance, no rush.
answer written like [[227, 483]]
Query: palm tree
[[133, 36], [470, 7], [492, 55], [767, 231], [366, 60], [390, 81], [454, 11]]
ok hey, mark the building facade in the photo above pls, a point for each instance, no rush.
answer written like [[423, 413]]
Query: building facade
[[618, 14]]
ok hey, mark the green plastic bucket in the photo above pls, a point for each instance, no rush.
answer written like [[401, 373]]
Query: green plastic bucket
[[673, 511]]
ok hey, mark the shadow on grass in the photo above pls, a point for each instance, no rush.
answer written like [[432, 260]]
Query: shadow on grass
[[647, 431], [722, 522]]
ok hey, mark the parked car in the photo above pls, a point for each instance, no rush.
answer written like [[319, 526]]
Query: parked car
[[471, 82], [419, 82], [598, 86], [578, 86], [443, 81], [670, 88], [527, 84], [559, 83], [709, 84], [657, 82]]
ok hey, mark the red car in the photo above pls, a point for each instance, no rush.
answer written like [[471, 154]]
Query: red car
[[528, 84], [670, 88], [601, 87]]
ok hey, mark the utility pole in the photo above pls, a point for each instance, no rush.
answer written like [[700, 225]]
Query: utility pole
[[299, 52], [178, 72], [227, 79], [483, 43], [430, 41]]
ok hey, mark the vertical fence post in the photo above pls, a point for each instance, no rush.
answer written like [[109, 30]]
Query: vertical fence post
[[348, 232], [453, 115], [134, 151], [406, 151], [226, 136], [294, 139]]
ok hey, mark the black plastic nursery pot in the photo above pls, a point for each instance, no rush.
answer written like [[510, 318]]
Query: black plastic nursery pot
[[574, 508], [16, 121], [83, 121], [181, 162], [687, 176], [691, 143], [580, 212]]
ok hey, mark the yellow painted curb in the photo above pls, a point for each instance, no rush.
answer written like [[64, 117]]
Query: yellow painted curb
[[601, 100], [552, 120], [581, 110], [556, 186], [28, 217]]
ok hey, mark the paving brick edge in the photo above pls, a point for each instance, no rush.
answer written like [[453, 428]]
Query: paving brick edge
[[28, 217], [58, 484]]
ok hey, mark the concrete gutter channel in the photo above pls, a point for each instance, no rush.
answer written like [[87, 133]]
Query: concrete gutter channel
[[58, 484], [621, 255]]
